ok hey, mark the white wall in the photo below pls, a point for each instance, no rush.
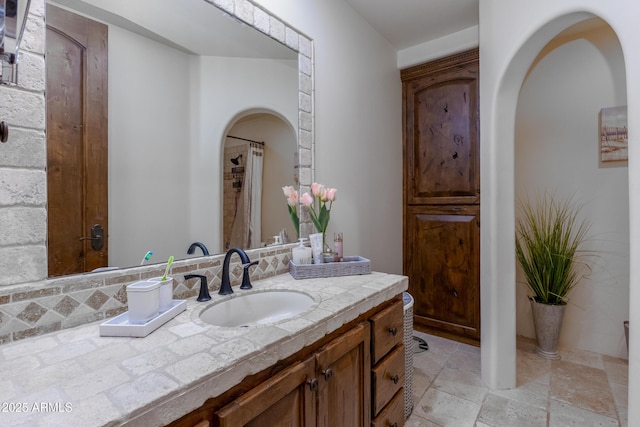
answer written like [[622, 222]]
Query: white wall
[[358, 132], [556, 148], [512, 33], [149, 145]]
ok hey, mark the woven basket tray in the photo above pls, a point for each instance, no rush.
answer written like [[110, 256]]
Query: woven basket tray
[[349, 266]]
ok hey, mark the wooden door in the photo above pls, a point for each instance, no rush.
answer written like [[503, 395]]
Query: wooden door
[[76, 96], [442, 195], [444, 269], [343, 370], [441, 135], [285, 400]]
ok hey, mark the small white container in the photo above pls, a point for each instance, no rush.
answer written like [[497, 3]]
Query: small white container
[[143, 300], [301, 254], [166, 292]]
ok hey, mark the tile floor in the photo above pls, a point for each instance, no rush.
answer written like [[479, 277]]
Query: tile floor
[[582, 389]]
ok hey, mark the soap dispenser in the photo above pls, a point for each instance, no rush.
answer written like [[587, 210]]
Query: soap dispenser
[[301, 254]]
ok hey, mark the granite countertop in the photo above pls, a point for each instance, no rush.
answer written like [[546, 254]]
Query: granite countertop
[[75, 377]]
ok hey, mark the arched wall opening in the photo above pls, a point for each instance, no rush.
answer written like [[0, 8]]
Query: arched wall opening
[[279, 168], [498, 170], [579, 72]]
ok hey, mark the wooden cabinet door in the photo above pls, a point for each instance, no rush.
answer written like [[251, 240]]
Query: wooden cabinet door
[[287, 399], [442, 159], [343, 369], [442, 194], [443, 265]]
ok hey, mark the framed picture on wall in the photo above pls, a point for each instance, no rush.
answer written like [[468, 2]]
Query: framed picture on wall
[[613, 134]]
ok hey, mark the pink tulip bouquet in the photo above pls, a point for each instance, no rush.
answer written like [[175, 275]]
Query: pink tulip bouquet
[[292, 203], [319, 203]]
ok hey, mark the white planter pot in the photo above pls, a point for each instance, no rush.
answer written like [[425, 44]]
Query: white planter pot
[[547, 320]]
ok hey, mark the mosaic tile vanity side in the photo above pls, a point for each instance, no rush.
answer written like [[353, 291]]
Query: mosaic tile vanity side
[[59, 303]]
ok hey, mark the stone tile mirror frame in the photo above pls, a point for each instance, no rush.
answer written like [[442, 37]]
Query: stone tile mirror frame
[[31, 304]]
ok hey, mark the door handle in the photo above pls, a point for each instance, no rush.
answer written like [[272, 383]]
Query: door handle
[[97, 237], [4, 131]]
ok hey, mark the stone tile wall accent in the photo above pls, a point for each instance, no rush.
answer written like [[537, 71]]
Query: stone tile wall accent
[[65, 302], [231, 195], [23, 159]]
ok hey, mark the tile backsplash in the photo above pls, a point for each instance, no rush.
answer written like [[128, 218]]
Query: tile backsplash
[[64, 302]]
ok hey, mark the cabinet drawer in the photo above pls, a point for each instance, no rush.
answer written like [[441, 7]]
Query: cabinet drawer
[[387, 378], [387, 330], [393, 413]]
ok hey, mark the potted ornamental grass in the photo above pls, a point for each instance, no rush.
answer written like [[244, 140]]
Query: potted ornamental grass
[[550, 236]]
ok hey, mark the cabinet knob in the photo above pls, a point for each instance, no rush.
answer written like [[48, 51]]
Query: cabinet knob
[[395, 379], [327, 374], [393, 331], [313, 384]]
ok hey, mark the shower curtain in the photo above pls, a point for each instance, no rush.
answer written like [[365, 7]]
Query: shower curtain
[[247, 231]]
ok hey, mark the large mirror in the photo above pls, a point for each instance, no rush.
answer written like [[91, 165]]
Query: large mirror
[[181, 78]]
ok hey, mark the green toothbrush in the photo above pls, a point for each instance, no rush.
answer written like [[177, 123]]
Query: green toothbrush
[[166, 270]]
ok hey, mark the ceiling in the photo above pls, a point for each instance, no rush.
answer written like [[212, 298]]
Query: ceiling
[[191, 26], [403, 23], [406, 23]]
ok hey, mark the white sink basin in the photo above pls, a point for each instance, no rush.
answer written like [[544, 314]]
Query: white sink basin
[[258, 308]]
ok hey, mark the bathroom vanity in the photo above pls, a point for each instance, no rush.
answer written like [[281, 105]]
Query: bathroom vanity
[[339, 363], [344, 379]]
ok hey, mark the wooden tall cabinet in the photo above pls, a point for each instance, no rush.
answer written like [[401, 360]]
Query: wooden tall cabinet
[[442, 195]]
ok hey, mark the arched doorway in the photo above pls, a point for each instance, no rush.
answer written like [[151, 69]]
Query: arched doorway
[[578, 73], [501, 92], [268, 142]]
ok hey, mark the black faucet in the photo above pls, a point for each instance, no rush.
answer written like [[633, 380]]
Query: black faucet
[[195, 245], [225, 285], [204, 288]]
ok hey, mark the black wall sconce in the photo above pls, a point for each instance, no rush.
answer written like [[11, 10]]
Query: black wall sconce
[[13, 18]]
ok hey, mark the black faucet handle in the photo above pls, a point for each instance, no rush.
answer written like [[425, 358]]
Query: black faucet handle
[[246, 280], [204, 287]]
